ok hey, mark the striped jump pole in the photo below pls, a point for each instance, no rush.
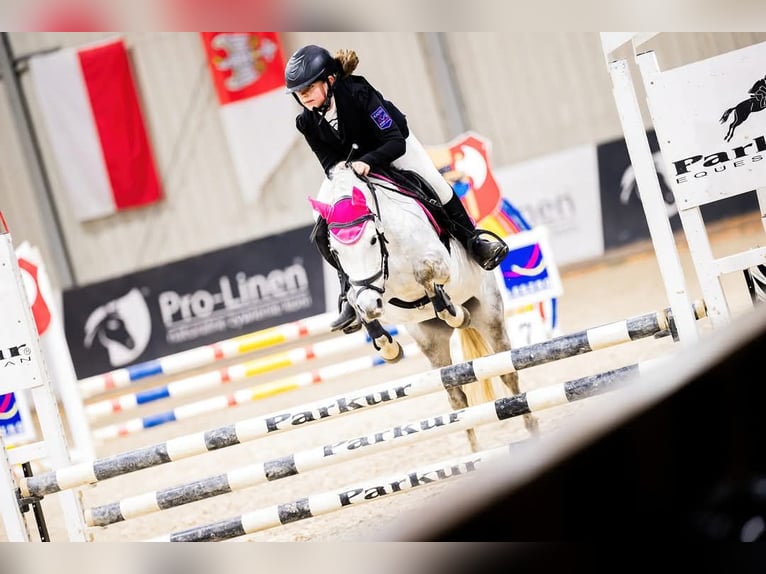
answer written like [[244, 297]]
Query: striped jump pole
[[208, 354], [205, 355], [325, 374], [386, 393], [330, 501], [329, 454], [233, 373]]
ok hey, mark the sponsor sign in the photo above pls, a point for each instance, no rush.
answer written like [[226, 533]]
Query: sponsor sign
[[623, 218], [711, 125], [559, 191], [529, 273], [192, 302], [16, 426], [22, 364]]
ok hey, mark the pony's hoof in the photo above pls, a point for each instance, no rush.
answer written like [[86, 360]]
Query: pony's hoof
[[392, 353]]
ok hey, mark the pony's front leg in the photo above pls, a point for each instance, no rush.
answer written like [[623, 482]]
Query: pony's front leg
[[432, 272], [456, 316], [388, 347]]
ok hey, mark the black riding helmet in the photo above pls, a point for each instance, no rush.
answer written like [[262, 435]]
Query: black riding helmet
[[307, 65]]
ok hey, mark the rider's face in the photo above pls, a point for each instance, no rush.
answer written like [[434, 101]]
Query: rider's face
[[313, 95]]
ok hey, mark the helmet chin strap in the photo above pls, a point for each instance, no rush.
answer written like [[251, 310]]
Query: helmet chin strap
[[322, 110]]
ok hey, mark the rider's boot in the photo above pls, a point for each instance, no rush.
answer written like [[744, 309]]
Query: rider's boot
[[487, 253], [348, 320]]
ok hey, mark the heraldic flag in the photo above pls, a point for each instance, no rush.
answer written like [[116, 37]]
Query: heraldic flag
[[258, 117]]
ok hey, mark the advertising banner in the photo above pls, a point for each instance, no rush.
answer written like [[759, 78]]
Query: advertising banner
[[623, 217], [706, 115], [196, 301], [559, 191]]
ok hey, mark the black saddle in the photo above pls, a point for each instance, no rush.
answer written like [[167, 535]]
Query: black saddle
[[412, 184]]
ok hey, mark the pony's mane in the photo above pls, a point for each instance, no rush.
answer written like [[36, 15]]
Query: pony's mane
[[343, 179]]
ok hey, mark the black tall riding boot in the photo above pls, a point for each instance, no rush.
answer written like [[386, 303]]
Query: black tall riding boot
[[348, 319], [486, 253]]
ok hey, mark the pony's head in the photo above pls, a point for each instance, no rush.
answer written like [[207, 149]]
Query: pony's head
[[347, 217], [358, 245]]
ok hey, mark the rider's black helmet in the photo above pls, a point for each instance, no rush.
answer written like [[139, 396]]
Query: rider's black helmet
[[307, 65]]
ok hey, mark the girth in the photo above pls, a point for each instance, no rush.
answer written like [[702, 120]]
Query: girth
[[418, 304]]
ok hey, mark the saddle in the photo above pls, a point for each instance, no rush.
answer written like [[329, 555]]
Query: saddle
[[412, 184]]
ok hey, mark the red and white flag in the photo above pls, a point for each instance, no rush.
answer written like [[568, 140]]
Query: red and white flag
[[88, 100], [258, 116]]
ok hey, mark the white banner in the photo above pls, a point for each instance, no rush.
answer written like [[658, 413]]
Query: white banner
[[21, 361], [561, 192], [706, 118]]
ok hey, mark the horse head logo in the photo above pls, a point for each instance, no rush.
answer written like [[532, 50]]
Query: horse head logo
[[122, 327], [755, 102]]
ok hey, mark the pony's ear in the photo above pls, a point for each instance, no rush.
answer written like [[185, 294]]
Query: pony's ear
[[323, 209], [357, 197]]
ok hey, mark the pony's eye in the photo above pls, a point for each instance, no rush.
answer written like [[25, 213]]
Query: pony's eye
[[374, 240]]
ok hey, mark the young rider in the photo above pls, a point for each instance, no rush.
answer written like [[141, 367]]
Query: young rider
[[341, 109]]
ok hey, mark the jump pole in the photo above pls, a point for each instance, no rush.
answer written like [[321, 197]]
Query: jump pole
[[415, 385], [399, 435], [233, 373], [257, 392], [330, 501], [205, 355]]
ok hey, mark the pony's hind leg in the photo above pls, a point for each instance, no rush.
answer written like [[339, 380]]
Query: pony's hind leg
[[432, 338], [489, 320]]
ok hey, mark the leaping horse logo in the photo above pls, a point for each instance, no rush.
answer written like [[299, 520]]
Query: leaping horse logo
[[754, 103]]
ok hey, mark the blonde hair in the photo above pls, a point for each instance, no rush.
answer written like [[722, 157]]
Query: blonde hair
[[348, 61]]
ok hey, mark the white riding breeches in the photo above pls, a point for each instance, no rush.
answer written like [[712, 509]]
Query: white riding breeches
[[416, 159]]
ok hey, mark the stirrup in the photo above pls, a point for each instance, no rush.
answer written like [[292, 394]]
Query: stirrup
[[499, 247]]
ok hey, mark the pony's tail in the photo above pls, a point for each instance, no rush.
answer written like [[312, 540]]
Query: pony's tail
[[472, 346], [725, 115]]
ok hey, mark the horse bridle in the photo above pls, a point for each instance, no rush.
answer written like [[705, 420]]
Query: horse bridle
[[368, 282]]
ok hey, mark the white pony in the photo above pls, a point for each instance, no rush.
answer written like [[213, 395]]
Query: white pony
[[405, 270]]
